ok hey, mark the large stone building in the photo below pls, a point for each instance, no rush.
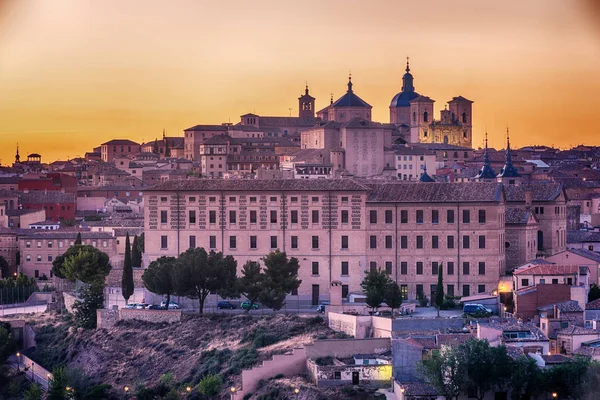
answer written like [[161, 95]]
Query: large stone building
[[339, 228]]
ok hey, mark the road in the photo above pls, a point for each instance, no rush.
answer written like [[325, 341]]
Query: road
[[22, 309]]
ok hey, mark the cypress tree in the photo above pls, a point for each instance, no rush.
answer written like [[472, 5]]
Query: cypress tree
[[136, 254], [127, 279], [78, 239], [439, 289]]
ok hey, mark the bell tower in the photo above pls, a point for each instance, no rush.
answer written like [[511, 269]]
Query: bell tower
[[306, 105]]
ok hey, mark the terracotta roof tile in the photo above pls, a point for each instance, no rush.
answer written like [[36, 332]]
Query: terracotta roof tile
[[552, 269]]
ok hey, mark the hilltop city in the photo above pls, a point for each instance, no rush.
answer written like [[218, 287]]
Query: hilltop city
[[317, 256]]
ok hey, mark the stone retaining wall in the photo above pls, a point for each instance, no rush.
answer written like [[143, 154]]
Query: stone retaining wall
[[108, 318], [70, 300]]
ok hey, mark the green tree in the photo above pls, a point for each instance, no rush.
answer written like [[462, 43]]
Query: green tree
[[34, 392], [4, 268], [91, 299], [250, 284], [374, 285], [199, 273], [525, 378], [594, 292], [7, 344], [210, 385], [127, 278], [392, 296], [280, 278], [77, 239], [82, 262], [158, 277], [57, 387], [568, 379], [141, 243], [136, 254], [444, 372], [439, 289]]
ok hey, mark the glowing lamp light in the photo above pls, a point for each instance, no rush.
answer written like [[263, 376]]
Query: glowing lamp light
[[232, 389], [188, 389], [126, 389], [554, 395], [296, 390]]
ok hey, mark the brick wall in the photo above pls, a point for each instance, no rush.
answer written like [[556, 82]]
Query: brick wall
[[342, 348], [526, 303], [353, 325], [106, 318], [155, 316]]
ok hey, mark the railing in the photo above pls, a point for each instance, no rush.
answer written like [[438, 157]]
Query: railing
[[33, 371]]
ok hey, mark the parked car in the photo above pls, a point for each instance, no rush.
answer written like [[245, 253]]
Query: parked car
[[131, 306], [172, 305], [476, 309], [141, 306], [384, 313], [225, 305], [321, 307], [154, 307], [246, 305]]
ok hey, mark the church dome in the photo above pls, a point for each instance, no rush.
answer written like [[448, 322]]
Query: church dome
[[403, 99]]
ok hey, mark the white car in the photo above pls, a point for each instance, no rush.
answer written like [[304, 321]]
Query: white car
[[172, 305], [131, 306]]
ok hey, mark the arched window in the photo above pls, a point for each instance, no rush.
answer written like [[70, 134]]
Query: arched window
[[414, 117], [540, 240], [453, 117], [445, 139], [425, 116], [464, 118]]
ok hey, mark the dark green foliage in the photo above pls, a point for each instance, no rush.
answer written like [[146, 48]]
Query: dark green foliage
[[78, 239], [34, 392], [127, 278], [4, 267], [280, 278], [568, 379], [82, 262], [91, 299], [141, 243], [210, 385], [158, 277], [250, 284], [7, 344], [374, 285], [136, 253], [439, 289], [17, 290], [57, 389], [594, 292], [52, 344], [392, 296]]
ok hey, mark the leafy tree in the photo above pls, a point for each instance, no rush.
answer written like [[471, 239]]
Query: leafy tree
[[92, 299], [594, 292], [57, 387], [444, 372], [34, 392], [158, 277], [280, 278], [141, 243], [136, 254], [568, 380], [199, 273], [392, 296], [250, 284], [7, 344], [374, 285], [4, 268], [526, 378], [210, 385], [77, 239], [439, 289], [127, 278], [82, 262]]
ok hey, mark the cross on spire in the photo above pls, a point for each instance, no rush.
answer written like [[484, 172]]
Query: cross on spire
[[407, 65]]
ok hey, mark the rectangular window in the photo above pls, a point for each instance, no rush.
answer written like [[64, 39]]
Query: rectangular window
[[481, 268], [403, 268], [344, 216], [315, 268], [49, 244], [163, 216], [163, 242], [482, 216], [232, 199], [373, 266], [450, 266], [273, 215], [344, 242], [450, 290], [373, 242], [212, 217], [404, 292], [273, 242], [554, 282], [252, 216], [466, 242], [450, 216], [28, 244], [404, 216], [434, 268], [450, 241], [192, 242], [345, 268], [273, 198], [232, 217], [388, 216], [419, 267], [569, 281], [315, 216], [482, 241], [419, 242], [344, 291], [388, 242], [404, 242], [344, 199], [481, 288], [253, 242], [419, 216], [434, 242], [388, 267], [466, 216], [49, 258], [466, 290], [315, 242], [294, 216], [315, 199], [212, 199], [212, 242], [466, 268], [294, 199], [373, 216], [294, 242], [525, 282], [232, 242], [435, 217], [419, 289], [192, 216]]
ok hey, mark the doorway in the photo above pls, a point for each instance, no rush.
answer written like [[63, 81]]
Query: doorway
[[355, 379], [315, 295]]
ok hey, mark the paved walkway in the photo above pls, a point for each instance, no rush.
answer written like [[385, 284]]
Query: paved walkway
[[22, 309]]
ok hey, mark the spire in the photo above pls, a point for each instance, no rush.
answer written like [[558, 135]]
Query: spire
[[509, 170], [486, 156], [331, 98], [350, 82], [486, 173], [425, 176], [306, 91], [508, 152], [407, 79], [17, 156], [407, 66]]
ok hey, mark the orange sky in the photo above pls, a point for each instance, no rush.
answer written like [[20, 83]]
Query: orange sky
[[75, 73]]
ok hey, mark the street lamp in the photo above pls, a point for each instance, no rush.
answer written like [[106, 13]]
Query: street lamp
[[554, 395], [296, 390], [232, 390], [188, 389]]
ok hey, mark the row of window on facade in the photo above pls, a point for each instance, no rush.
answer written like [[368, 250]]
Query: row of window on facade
[[542, 281], [344, 216], [252, 199], [61, 243], [420, 290]]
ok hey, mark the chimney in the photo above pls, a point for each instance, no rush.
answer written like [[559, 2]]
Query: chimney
[[528, 197]]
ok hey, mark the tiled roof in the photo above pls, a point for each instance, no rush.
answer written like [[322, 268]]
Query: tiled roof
[[540, 191], [208, 128], [552, 269], [240, 185], [47, 234], [362, 124], [564, 306], [39, 197], [418, 192], [577, 330], [452, 339], [582, 236], [419, 389], [129, 222], [593, 305], [589, 254], [555, 359], [517, 215], [267, 122], [121, 142], [133, 231], [511, 325]]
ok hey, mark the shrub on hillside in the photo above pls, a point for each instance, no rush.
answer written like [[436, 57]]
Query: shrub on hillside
[[210, 385]]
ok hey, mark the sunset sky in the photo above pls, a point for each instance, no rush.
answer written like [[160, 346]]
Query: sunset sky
[[76, 73]]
